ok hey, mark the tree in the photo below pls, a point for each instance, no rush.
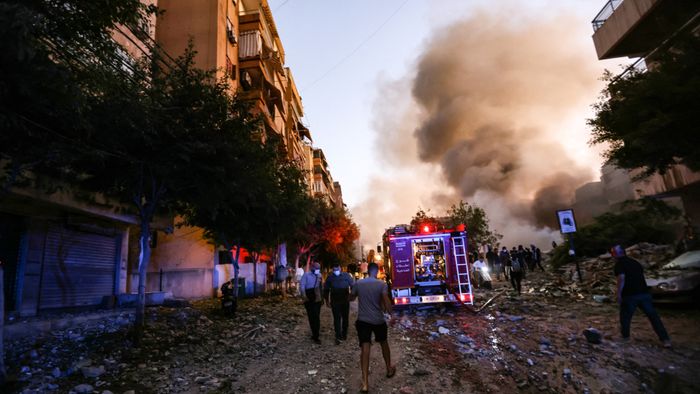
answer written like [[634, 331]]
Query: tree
[[421, 218], [339, 239], [649, 119], [644, 220], [56, 56], [262, 200], [65, 87], [329, 234], [2, 325], [476, 221]]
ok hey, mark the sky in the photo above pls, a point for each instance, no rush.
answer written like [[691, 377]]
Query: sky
[[364, 69]]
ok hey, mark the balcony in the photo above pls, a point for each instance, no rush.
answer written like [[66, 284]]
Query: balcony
[[636, 28], [605, 13]]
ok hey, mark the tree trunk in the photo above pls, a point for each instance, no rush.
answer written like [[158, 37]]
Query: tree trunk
[[2, 328], [308, 261], [236, 269], [296, 261], [282, 253], [144, 258], [256, 256]]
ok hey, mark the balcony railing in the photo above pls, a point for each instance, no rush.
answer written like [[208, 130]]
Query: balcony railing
[[605, 13], [639, 66]]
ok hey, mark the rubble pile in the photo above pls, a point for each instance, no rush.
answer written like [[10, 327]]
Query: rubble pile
[[598, 277], [176, 354]]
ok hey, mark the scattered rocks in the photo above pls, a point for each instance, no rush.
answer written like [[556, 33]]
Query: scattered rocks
[[593, 336], [93, 372], [442, 330], [83, 389], [465, 339]]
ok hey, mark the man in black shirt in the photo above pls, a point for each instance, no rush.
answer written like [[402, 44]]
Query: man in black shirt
[[338, 286], [632, 292]]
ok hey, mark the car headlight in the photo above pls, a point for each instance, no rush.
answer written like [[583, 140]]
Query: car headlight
[[667, 286]]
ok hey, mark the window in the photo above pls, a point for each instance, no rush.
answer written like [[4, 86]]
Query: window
[[230, 69]]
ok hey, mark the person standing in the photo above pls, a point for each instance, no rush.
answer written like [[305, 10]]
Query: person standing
[[517, 271], [538, 258], [297, 277], [373, 300], [281, 275], [491, 258], [633, 293], [504, 256], [310, 290], [338, 286]]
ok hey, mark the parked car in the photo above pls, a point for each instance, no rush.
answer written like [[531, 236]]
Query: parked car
[[678, 281]]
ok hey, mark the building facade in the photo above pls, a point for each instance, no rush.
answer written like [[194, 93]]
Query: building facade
[[644, 29]]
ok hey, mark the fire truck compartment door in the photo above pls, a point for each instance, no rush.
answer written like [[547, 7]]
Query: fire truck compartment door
[[402, 262]]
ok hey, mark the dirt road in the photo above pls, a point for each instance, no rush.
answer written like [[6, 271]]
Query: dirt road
[[532, 343]]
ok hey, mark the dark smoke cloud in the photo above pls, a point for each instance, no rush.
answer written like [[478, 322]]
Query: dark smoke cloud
[[490, 92], [484, 119]]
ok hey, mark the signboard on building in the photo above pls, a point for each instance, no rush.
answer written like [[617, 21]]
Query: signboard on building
[[567, 223]]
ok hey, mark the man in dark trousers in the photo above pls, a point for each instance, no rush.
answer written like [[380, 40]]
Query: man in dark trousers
[[310, 290], [338, 286], [632, 292], [373, 302]]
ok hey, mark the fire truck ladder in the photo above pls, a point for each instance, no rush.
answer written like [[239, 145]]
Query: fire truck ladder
[[464, 285]]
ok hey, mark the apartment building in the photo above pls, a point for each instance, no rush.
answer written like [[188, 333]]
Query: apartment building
[[211, 26], [643, 29], [62, 250], [239, 39], [323, 184]]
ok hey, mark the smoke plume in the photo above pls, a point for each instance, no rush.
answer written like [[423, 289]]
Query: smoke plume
[[489, 108]]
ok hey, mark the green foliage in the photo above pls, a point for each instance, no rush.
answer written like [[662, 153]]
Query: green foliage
[[476, 221], [421, 218], [560, 256], [56, 57], [649, 119], [645, 220], [329, 236]]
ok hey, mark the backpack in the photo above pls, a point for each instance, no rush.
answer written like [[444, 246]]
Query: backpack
[[516, 267]]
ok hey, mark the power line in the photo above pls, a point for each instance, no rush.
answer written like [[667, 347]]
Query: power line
[[281, 5], [357, 48]]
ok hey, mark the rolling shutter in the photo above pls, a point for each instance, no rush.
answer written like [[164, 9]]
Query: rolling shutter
[[79, 268]]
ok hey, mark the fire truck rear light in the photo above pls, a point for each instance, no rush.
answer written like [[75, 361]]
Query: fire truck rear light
[[465, 297]]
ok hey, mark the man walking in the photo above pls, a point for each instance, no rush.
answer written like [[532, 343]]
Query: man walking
[[310, 289], [338, 286], [632, 292], [374, 299]]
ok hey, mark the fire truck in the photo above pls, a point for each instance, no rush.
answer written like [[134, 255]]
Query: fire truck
[[427, 265]]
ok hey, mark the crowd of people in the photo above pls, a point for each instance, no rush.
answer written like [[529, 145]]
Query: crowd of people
[[512, 264]]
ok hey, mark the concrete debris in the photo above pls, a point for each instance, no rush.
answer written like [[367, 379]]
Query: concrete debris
[[93, 372], [593, 336], [83, 388]]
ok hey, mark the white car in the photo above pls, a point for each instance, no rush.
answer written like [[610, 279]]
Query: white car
[[678, 280]]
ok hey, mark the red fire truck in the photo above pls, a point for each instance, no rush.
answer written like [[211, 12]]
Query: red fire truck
[[428, 265]]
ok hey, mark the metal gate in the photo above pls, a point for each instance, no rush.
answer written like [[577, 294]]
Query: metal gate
[[78, 269]]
